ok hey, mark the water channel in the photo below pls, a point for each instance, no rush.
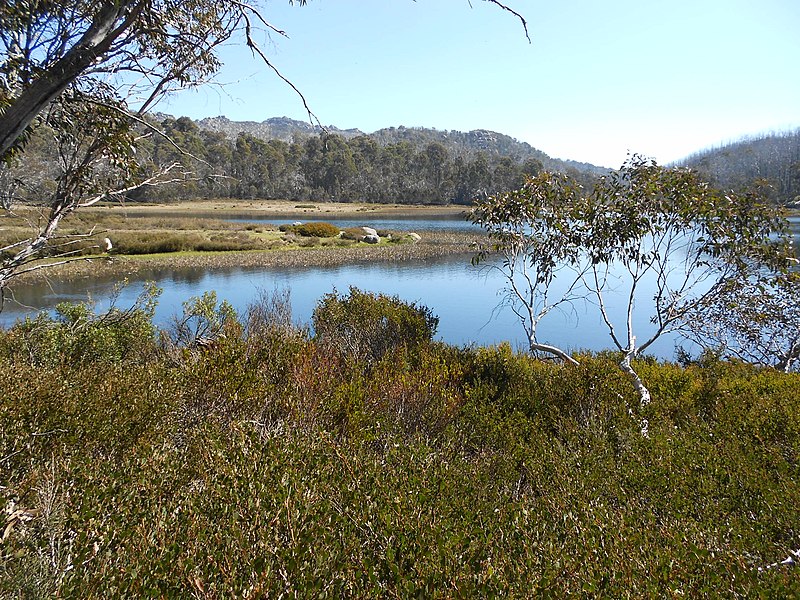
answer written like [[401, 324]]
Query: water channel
[[466, 299]]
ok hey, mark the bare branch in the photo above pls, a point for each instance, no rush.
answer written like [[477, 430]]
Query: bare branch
[[256, 50], [516, 14], [150, 181], [250, 9]]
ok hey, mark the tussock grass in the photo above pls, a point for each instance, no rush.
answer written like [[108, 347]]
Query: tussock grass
[[157, 233]]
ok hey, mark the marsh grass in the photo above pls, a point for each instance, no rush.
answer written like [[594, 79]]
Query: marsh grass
[[172, 237]]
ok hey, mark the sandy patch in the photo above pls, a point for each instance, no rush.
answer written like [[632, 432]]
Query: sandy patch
[[264, 208]]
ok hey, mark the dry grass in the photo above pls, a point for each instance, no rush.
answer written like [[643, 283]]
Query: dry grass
[[148, 237], [280, 208], [320, 255]]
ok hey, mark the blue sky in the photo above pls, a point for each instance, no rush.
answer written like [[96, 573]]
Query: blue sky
[[600, 78]]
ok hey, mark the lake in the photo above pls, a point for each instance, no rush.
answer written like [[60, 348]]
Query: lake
[[465, 298]]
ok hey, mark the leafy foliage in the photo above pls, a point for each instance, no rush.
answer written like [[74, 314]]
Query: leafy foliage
[[203, 322], [365, 327], [533, 232], [643, 223], [76, 335], [756, 320], [317, 229]]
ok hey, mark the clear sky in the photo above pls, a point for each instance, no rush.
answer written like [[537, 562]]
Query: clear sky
[[663, 78]]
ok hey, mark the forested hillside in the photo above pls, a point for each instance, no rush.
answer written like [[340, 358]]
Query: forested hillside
[[282, 158], [771, 162], [458, 143], [285, 159]]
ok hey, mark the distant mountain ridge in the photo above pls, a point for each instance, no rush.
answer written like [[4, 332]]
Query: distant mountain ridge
[[458, 143], [275, 128], [771, 159]]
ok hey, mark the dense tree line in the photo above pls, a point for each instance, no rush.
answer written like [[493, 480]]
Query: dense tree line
[[770, 162], [329, 167]]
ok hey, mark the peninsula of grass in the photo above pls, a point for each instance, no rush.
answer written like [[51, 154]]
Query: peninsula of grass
[[201, 235]]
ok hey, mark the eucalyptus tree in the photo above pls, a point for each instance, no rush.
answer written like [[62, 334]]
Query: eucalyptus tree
[[655, 241], [668, 244], [532, 242], [756, 321]]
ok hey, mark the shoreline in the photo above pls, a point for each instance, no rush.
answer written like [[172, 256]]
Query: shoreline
[[432, 245], [444, 244], [284, 208]]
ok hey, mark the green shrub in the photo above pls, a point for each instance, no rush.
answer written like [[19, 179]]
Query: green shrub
[[364, 326], [353, 233], [203, 322], [161, 243], [267, 466], [75, 334], [309, 242], [320, 230], [226, 243], [152, 243]]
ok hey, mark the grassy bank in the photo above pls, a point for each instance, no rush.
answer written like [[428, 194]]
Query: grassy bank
[[289, 209], [445, 244], [197, 234], [272, 462]]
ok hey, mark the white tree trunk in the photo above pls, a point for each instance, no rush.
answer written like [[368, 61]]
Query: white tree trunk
[[554, 350], [641, 388]]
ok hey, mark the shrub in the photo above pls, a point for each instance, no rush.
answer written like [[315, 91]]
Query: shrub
[[322, 230], [203, 323], [309, 242], [267, 467], [75, 334], [223, 243], [151, 243], [353, 233], [366, 326]]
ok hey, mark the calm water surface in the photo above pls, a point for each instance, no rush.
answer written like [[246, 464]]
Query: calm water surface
[[466, 298]]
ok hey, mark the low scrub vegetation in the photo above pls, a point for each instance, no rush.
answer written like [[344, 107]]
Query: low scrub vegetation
[[353, 233], [317, 229], [249, 456]]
